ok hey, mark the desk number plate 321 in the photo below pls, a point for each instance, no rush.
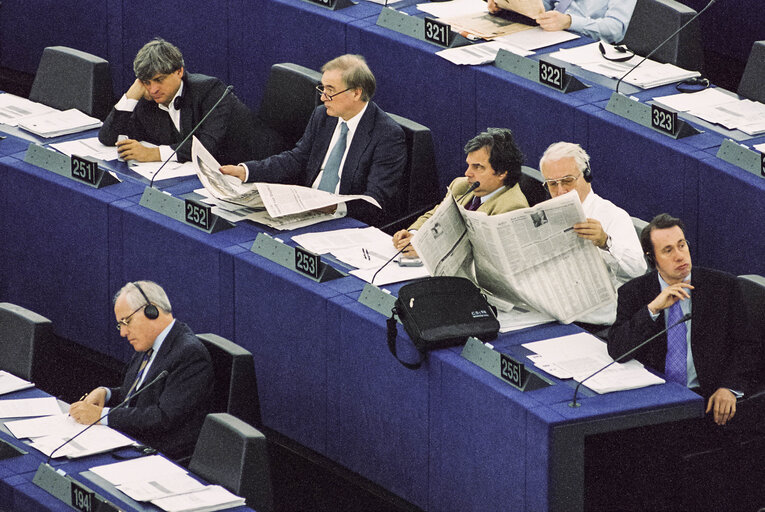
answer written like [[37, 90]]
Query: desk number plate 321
[[437, 32]]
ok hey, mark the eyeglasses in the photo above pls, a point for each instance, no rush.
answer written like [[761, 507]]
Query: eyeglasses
[[125, 322], [565, 181], [329, 96]]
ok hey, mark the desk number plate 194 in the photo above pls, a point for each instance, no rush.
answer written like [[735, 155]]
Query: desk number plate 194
[[664, 120], [437, 32], [82, 498]]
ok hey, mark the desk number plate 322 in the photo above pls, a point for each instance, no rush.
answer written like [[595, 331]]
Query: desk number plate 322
[[552, 75]]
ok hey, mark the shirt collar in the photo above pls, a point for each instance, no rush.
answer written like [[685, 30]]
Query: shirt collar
[[492, 194], [161, 338]]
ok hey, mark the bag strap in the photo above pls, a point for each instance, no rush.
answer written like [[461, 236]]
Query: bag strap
[[392, 333]]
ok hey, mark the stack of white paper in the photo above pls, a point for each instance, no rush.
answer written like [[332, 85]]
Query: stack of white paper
[[14, 108], [212, 497], [580, 355], [649, 74], [148, 478], [720, 107], [89, 147], [56, 123], [29, 407], [10, 383]]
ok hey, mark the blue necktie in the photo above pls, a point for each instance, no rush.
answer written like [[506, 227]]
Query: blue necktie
[[473, 204], [675, 366], [330, 177], [562, 5]]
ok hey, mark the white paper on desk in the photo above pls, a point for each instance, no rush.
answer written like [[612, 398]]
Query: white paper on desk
[[143, 468], [536, 38], [29, 407], [90, 147], [10, 383], [745, 115], [53, 124], [169, 171], [323, 242], [161, 487], [98, 439], [61, 425], [482, 53], [392, 273], [758, 147], [453, 8], [683, 102], [212, 497], [280, 199], [15, 108]]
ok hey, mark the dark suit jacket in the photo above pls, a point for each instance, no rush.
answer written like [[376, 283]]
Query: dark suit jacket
[[723, 355], [373, 166], [228, 134], [169, 415]]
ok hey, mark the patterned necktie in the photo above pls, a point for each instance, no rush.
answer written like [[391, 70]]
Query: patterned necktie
[[330, 177], [473, 204], [675, 366], [562, 5], [144, 362]]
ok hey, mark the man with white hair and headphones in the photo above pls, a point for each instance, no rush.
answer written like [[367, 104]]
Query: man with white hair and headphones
[[565, 167], [169, 414]]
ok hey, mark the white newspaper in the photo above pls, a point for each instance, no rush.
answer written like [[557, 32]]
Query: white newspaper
[[528, 257], [281, 200], [581, 355]]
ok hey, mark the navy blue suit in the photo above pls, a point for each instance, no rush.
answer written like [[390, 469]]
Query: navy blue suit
[[228, 134], [169, 415], [722, 353], [373, 166]]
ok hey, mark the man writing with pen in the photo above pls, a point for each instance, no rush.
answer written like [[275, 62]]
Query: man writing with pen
[[169, 413], [490, 184]]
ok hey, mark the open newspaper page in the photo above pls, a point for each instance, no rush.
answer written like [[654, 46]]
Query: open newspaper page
[[222, 186], [529, 8], [534, 255], [442, 242], [281, 200]]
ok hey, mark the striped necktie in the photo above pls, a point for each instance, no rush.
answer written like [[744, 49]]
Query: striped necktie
[[144, 362]]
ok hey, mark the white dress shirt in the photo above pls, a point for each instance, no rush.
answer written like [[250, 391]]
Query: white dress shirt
[[598, 19]]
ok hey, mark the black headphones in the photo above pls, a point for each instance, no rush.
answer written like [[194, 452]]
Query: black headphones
[[587, 173], [150, 311], [690, 85], [619, 48]]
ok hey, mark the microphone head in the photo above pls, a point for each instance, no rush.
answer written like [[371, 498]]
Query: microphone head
[[474, 186], [163, 374]]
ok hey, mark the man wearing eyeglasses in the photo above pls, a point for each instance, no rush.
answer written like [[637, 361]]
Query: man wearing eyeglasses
[[350, 146], [168, 415], [566, 167], [164, 104]]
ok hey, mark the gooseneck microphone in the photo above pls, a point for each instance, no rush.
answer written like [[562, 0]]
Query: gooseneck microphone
[[156, 379], [663, 43], [472, 187], [225, 93], [685, 318]]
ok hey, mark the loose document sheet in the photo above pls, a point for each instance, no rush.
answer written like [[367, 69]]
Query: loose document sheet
[[29, 407], [580, 355], [719, 107], [90, 147], [520, 43], [10, 383], [530, 257], [649, 74], [15, 108], [56, 123], [47, 433]]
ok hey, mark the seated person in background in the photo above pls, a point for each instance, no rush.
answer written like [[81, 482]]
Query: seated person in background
[[494, 161], [350, 146], [565, 167], [711, 353], [597, 19], [169, 415], [165, 103]]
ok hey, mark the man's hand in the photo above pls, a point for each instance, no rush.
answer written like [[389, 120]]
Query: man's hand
[[592, 230], [669, 296], [493, 7], [723, 406], [553, 20], [138, 91], [130, 149], [401, 239], [233, 170], [89, 409]]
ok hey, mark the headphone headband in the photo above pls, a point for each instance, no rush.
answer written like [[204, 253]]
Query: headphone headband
[[150, 311]]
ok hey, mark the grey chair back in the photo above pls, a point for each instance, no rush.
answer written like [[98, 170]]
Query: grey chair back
[[233, 454], [533, 185], [235, 387], [655, 20], [24, 336], [752, 85], [68, 78]]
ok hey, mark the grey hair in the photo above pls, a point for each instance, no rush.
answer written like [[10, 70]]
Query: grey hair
[[559, 150], [157, 57], [153, 291], [355, 73]]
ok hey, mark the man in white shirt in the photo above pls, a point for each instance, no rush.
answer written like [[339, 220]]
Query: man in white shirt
[[565, 167]]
